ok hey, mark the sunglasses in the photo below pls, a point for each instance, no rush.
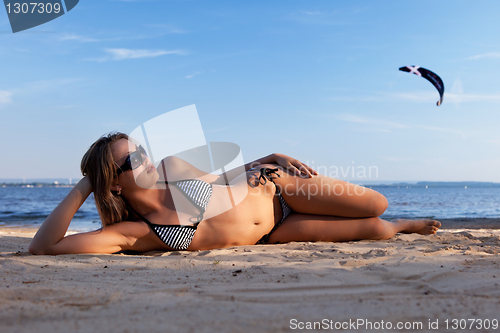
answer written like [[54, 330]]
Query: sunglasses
[[133, 160]]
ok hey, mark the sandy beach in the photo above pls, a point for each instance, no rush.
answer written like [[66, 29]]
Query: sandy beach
[[407, 280]]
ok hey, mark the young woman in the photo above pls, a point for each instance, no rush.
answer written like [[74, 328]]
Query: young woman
[[285, 200]]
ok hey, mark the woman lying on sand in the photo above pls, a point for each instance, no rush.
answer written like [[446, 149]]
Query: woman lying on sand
[[278, 207]]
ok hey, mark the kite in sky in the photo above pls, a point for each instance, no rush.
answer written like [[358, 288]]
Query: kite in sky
[[431, 76]]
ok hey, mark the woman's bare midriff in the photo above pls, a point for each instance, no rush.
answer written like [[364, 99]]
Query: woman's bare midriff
[[244, 224]]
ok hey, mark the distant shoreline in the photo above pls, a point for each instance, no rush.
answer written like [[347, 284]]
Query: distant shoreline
[[29, 185], [39, 182]]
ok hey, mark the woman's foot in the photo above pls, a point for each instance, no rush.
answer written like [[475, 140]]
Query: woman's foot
[[422, 227]]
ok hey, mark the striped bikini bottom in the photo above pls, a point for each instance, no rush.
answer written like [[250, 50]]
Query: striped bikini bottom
[[265, 175]]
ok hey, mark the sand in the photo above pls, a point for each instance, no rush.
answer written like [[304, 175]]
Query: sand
[[409, 279]]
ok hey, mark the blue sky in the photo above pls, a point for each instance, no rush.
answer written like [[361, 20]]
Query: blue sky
[[317, 80]]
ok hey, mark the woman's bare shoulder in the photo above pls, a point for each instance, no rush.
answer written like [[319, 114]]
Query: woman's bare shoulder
[[173, 168]]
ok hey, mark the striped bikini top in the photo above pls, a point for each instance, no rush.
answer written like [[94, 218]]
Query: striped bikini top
[[178, 237], [197, 191]]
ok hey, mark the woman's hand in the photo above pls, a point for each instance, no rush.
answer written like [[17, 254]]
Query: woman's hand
[[295, 166]]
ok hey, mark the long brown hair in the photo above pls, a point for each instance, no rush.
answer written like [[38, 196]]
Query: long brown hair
[[99, 166]]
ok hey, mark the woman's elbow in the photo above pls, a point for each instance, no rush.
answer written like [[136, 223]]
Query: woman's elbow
[[35, 249]]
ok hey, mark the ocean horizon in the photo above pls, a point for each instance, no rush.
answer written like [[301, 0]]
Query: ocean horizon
[[73, 181], [29, 206]]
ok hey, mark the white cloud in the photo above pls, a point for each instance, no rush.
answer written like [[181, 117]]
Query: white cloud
[[305, 12], [496, 142], [5, 97], [151, 31], [357, 119], [459, 98], [122, 54], [442, 160], [78, 38], [319, 18], [397, 159], [292, 143], [167, 28], [365, 120], [47, 85], [365, 130], [383, 130], [489, 55], [417, 96], [457, 87], [443, 129], [456, 95], [213, 130], [196, 73], [190, 76], [35, 87]]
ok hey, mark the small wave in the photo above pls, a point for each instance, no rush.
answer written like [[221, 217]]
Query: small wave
[[23, 217], [8, 216]]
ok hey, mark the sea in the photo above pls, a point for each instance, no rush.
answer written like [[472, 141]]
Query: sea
[[29, 206]]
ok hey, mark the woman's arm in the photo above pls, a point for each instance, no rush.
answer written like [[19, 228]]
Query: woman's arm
[[50, 237], [286, 162], [282, 160], [180, 169]]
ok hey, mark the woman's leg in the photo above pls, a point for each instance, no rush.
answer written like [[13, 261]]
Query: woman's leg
[[313, 228], [322, 195]]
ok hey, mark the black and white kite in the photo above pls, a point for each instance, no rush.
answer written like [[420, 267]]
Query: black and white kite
[[431, 76]]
